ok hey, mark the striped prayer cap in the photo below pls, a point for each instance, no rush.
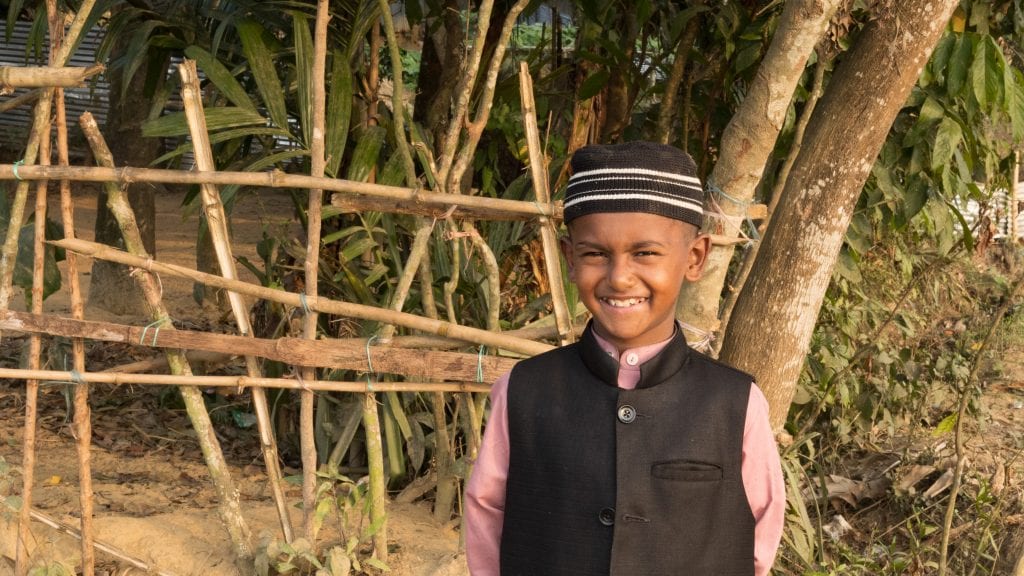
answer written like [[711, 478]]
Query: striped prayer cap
[[634, 177]]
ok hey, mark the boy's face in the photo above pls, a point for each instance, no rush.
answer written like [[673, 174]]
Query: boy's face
[[629, 268]]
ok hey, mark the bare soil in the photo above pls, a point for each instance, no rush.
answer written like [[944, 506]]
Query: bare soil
[[153, 498]]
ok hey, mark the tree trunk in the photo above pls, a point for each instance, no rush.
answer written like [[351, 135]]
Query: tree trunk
[[748, 141], [111, 288], [788, 282], [440, 68]]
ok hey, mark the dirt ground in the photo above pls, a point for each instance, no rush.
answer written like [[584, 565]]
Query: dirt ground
[[153, 499]]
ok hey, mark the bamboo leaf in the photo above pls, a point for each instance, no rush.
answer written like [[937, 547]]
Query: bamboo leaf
[[339, 112], [364, 157], [304, 73], [946, 141], [222, 137], [216, 119], [221, 77], [256, 46]]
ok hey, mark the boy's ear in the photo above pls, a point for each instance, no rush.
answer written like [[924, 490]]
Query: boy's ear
[[565, 243], [698, 256]]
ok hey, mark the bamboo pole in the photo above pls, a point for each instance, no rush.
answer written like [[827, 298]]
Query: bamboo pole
[[34, 354], [41, 118], [52, 76], [96, 544], [346, 354], [311, 269], [365, 195], [185, 381], [319, 304], [20, 100], [216, 220], [538, 172], [229, 506], [83, 413], [1015, 200]]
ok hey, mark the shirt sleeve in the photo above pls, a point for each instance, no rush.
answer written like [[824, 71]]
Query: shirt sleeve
[[485, 491], [763, 482]]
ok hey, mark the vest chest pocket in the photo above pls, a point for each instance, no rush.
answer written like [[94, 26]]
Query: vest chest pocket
[[687, 471]]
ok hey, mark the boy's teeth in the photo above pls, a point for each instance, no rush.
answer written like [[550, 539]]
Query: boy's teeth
[[624, 303]]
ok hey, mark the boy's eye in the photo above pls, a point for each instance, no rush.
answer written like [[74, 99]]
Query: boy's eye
[[592, 254], [644, 253]]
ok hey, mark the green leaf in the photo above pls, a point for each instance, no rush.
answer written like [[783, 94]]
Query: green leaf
[[946, 425], [1013, 83], [365, 156], [221, 77], [223, 136], [593, 84], [339, 112], [917, 195], [304, 71], [257, 48], [959, 63], [947, 139], [979, 70], [968, 237], [846, 267], [216, 119], [931, 112], [13, 502]]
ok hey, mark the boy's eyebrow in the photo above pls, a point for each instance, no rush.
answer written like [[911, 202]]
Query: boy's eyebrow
[[634, 246]]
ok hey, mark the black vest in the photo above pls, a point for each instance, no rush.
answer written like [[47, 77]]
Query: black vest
[[643, 482]]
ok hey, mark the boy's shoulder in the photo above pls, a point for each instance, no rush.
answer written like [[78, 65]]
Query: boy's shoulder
[[736, 373]]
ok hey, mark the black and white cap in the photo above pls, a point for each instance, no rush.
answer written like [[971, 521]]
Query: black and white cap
[[634, 177]]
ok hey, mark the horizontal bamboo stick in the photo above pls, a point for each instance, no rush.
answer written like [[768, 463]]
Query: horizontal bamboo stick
[[344, 354], [407, 200], [46, 76], [20, 100], [240, 382], [319, 304], [364, 196]]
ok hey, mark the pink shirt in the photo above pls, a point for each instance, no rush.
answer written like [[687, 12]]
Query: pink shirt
[[485, 491]]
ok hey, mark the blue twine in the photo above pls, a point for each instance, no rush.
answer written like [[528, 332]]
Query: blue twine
[[15, 168], [369, 363], [305, 305], [77, 377], [744, 204], [156, 331], [480, 364]]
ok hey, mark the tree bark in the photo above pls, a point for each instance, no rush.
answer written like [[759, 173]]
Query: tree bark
[[441, 66], [111, 288], [748, 141], [782, 299]]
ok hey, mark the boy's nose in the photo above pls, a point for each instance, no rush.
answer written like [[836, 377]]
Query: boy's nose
[[620, 275]]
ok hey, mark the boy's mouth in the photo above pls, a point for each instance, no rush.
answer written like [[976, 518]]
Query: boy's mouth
[[623, 302]]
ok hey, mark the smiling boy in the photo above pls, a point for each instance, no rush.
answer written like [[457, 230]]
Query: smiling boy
[[627, 453]]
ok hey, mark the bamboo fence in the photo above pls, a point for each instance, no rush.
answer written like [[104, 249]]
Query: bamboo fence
[[422, 360]]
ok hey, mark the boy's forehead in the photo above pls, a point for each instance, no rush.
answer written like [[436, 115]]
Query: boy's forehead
[[634, 225]]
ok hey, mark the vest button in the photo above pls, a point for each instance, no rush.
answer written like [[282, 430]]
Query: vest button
[[627, 414], [607, 516]]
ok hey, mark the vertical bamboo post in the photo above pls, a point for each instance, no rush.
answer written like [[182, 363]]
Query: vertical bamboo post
[[34, 363], [41, 117], [539, 174], [313, 223], [83, 413], [216, 220], [229, 506], [1015, 199]]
